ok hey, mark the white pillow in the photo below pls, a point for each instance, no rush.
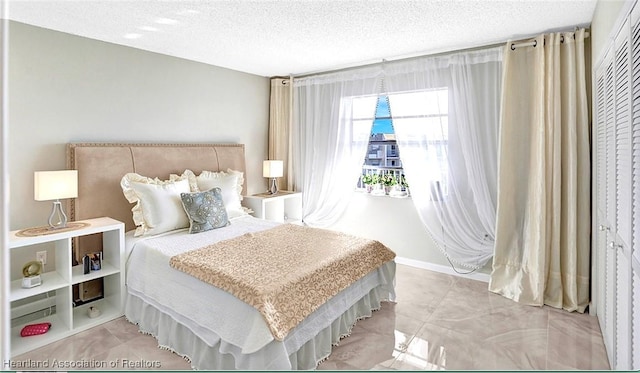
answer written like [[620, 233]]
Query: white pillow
[[158, 206], [230, 183]]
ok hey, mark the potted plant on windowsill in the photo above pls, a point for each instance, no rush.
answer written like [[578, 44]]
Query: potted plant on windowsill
[[387, 181], [369, 180], [404, 184], [401, 188]]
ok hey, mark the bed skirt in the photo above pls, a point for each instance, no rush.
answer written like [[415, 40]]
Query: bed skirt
[[178, 338]]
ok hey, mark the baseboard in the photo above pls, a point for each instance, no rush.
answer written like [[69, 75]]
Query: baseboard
[[484, 277]]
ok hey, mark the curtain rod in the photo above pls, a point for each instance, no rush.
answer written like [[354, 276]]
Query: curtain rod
[[521, 44], [384, 60], [486, 46]]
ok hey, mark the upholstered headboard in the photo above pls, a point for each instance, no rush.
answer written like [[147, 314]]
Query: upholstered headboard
[[101, 166]]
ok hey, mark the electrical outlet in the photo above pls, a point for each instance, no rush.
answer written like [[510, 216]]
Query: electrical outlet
[[41, 256]]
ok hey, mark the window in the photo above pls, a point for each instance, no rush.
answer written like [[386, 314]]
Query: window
[[383, 157], [424, 116]]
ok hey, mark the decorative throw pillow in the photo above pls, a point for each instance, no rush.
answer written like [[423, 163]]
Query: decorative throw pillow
[[205, 210], [230, 184], [158, 206]]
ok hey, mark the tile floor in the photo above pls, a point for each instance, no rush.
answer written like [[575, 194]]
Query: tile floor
[[439, 322]]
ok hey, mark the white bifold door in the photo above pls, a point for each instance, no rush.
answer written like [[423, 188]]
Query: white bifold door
[[616, 210]]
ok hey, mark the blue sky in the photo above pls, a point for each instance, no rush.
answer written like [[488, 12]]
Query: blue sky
[[382, 110], [382, 126]]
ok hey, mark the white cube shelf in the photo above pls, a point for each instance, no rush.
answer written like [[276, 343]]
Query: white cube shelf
[[67, 319], [284, 207]]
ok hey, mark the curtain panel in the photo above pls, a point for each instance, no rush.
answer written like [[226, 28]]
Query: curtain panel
[[453, 186], [280, 128], [329, 143], [542, 248]]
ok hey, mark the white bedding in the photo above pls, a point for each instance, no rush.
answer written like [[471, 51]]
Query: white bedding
[[213, 314]]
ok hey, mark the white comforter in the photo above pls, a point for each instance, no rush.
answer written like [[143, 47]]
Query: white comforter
[[212, 313]]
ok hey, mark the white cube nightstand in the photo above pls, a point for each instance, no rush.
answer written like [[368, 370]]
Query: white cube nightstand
[[284, 207]]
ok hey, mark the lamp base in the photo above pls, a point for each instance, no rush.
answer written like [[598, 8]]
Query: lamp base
[[57, 219], [273, 189]]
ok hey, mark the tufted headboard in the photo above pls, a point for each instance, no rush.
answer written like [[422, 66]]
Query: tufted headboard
[[101, 166]]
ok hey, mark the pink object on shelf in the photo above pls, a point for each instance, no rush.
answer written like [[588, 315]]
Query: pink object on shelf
[[35, 329]]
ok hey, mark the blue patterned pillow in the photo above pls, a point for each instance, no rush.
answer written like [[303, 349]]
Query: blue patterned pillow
[[205, 210]]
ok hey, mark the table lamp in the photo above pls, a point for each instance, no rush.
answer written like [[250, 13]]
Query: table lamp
[[55, 185], [272, 170]]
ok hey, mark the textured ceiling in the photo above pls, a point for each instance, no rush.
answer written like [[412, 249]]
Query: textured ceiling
[[279, 37]]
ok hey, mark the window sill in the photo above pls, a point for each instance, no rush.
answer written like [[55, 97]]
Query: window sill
[[382, 194]]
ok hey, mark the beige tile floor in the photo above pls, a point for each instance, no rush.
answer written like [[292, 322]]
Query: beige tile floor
[[439, 322]]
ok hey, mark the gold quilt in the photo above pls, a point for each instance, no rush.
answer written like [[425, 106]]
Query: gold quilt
[[286, 272]]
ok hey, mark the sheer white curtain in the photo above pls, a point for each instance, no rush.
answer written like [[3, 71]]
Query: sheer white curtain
[[329, 139], [445, 112], [542, 229]]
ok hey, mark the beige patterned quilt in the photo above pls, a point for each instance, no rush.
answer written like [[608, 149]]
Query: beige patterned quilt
[[286, 272]]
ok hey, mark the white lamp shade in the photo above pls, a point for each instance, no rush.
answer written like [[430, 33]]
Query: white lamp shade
[[49, 185], [272, 168]]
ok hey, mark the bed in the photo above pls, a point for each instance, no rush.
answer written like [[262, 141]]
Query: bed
[[197, 317]]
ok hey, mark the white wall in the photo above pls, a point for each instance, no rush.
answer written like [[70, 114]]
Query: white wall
[[395, 223], [605, 18], [65, 88]]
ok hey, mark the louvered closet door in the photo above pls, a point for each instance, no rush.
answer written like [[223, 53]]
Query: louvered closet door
[[635, 320], [622, 239], [617, 210], [635, 313], [604, 299], [600, 185], [608, 327], [635, 186]]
